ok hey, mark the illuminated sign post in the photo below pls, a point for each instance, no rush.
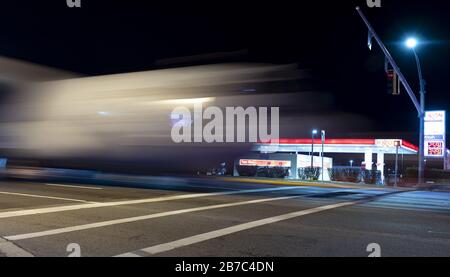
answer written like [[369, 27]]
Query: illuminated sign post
[[435, 134]]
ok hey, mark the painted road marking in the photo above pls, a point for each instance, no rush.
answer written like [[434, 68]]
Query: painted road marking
[[131, 202], [140, 218], [45, 196], [230, 230], [210, 187], [73, 186], [291, 183], [12, 250]]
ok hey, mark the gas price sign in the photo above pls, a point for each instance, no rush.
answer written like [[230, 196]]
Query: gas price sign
[[435, 133]]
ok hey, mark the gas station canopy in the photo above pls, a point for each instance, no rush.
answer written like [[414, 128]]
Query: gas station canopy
[[381, 146]]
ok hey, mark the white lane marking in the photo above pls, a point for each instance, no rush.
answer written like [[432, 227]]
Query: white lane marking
[[131, 202], [140, 218], [129, 255], [74, 186], [12, 250], [45, 196], [230, 230]]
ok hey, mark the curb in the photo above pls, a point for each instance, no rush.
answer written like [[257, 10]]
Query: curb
[[305, 184]]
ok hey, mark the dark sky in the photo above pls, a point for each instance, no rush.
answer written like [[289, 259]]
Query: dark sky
[[107, 36]]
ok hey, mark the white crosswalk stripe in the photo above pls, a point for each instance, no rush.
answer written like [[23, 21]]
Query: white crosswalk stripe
[[44, 196], [230, 230], [131, 202], [139, 218]]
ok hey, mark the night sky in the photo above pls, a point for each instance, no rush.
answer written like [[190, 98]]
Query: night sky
[[107, 36]]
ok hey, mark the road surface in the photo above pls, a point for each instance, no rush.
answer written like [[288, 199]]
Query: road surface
[[219, 219]]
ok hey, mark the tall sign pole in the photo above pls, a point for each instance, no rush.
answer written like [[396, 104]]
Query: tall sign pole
[[420, 107]]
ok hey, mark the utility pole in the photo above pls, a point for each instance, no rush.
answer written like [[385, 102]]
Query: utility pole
[[420, 107]]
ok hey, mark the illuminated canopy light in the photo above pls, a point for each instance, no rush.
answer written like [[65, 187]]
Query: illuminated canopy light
[[411, 43], [341, 145]]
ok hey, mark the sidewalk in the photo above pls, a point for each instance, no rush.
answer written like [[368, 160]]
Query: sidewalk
[[434, 187], [280, 182]]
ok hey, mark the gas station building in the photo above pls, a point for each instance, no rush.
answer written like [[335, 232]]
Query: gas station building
[[295, 153]]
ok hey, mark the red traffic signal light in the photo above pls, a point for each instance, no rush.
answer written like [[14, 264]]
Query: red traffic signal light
[[393, 84]]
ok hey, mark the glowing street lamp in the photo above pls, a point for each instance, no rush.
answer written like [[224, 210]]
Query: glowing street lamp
[[313, 134], [322, 136], [411, 43], [420, 107]]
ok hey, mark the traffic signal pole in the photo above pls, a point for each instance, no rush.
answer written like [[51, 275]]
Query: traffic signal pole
[[422, 119], [420, 107]]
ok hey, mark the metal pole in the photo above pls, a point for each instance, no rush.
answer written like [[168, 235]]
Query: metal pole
[[422, 119], [403, 164], [312, 151], [396, 165], [323, 144], [422, 143], [419, 107], [446, 160]]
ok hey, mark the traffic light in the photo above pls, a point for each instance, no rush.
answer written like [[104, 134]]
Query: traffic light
[[393, 82]]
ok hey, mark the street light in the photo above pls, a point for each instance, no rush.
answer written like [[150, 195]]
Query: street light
[[313, 134], [411, 43], [420, 107], [322, 135]]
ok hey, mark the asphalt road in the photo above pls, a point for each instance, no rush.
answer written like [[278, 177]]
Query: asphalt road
[[219, 219]]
